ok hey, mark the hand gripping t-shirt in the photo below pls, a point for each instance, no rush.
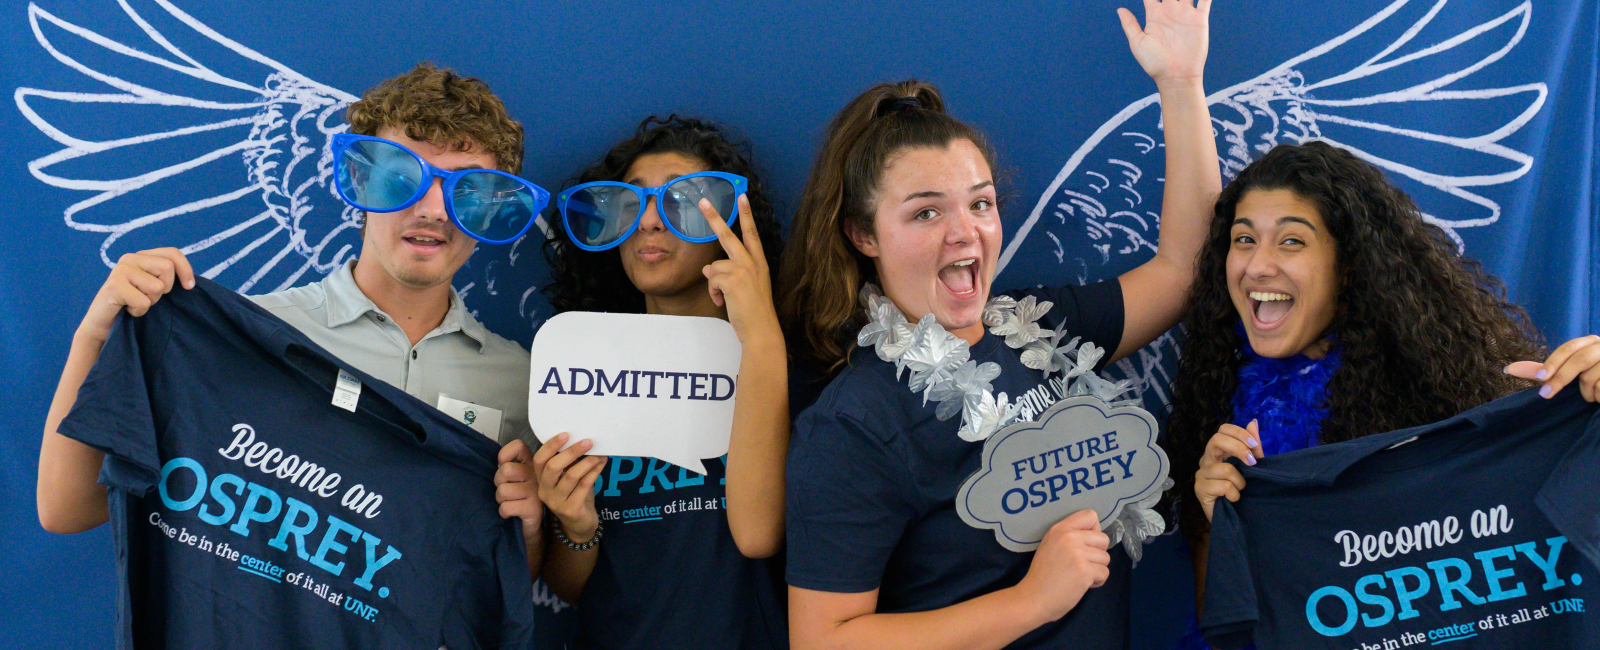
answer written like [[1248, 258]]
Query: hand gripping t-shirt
[[265, 495], [669, 574], [873, 475], [1479, 531]]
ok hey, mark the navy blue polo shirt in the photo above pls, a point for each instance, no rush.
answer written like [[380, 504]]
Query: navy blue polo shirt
[[248, 510], [873, 475], [1480, 531]]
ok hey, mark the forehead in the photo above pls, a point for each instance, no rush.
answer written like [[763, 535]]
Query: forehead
[[958, 166], [658, 168], [440, 155], [1264, 207]]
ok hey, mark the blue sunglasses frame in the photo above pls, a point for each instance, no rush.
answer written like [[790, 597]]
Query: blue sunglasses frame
[[740, 184], [343, 141]]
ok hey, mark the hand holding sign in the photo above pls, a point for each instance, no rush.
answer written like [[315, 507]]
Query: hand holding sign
[[1079, 455], [636, 384], [1071, 560]]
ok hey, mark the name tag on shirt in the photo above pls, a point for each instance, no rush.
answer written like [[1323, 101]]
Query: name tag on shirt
[[482, 419]]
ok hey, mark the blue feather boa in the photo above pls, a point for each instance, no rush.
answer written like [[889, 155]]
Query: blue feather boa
[[1288, 400], [1286, 397]]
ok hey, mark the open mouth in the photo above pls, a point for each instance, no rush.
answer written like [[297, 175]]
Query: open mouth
[[961, 278], [424, 241], [1270, 308]]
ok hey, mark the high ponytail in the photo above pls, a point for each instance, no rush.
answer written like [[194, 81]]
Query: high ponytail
[[822, 271]]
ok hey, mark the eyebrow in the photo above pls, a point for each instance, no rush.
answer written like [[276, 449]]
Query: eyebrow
[[1281, 221], [939, 195]]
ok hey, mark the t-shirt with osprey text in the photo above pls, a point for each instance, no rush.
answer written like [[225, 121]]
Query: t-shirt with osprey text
[[265, 494], [1479, 531]]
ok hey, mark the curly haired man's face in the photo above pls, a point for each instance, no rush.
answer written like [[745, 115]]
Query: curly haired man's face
[[657, 261], [419, 247], [1282, 273]]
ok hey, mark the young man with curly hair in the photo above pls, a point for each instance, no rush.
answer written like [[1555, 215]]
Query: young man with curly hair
[[392, 312]]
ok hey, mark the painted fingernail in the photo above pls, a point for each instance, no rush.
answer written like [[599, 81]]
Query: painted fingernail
[[1253, 442], [1542, 374], [1545, 391], [1250, 459]]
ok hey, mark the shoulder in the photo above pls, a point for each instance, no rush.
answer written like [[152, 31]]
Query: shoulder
[[504, 354], [864, 395], [305, 299]]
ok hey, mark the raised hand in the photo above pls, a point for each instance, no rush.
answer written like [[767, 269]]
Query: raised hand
[[1219, 479], [742, 283], [1174, 40]]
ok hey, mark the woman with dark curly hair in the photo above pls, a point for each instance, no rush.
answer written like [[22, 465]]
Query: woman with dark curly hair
[[651, 228], [1326, 309]]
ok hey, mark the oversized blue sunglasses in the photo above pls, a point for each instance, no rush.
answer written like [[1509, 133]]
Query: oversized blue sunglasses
[[599, 215], [377, 175]]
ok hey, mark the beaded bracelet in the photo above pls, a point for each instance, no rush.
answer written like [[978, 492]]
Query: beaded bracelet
[[555, 524]]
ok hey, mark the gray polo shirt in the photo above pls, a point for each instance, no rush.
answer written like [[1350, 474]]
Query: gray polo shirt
[[459, 358]]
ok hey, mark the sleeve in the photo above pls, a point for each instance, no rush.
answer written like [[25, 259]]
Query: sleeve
[[491, 605], [1092, 311], [1229, 618], [1568, 496], [846, 507], [113, 411]]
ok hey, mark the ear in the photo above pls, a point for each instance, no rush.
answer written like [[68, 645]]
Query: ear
[[864, 241]]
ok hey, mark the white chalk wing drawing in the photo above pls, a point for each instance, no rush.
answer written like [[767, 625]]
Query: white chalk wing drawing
[[203, 143], [1360, 90]]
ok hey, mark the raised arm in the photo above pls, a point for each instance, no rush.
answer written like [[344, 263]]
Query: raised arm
[[1172, 50], [68, 497], [760, 440]]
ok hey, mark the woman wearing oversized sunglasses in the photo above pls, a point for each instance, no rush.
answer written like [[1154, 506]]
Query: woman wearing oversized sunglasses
[[672, 221]]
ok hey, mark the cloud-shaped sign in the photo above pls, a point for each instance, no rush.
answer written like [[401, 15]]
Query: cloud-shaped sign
[[636, 384], [1081, 454]]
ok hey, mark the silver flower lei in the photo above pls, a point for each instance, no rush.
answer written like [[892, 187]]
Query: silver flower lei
[[943, 371]]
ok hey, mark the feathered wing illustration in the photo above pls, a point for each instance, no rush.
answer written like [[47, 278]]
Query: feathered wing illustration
[[1390, 89], [232, 169]]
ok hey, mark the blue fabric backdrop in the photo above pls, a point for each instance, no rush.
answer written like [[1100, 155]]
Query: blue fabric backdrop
[[202, 125]]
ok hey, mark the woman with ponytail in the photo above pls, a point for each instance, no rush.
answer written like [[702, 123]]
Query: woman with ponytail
[[902, 197]]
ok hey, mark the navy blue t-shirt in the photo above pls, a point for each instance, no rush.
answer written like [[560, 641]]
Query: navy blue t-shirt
[[250, 511], [1479, 531], [873, 475], [669, 574]]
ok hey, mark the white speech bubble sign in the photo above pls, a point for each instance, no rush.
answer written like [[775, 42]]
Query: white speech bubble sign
[[636, 384], [1081, 454]]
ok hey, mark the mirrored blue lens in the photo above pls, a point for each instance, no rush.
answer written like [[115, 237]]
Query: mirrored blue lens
[[496, 207], [599, 215], [379, 176], [681, 204]]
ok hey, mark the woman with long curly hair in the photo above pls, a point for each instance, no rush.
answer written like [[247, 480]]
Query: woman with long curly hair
[[1327, 309], [650, 228]]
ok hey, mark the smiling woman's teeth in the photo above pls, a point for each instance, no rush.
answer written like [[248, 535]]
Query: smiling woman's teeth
[[1271, 307]]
